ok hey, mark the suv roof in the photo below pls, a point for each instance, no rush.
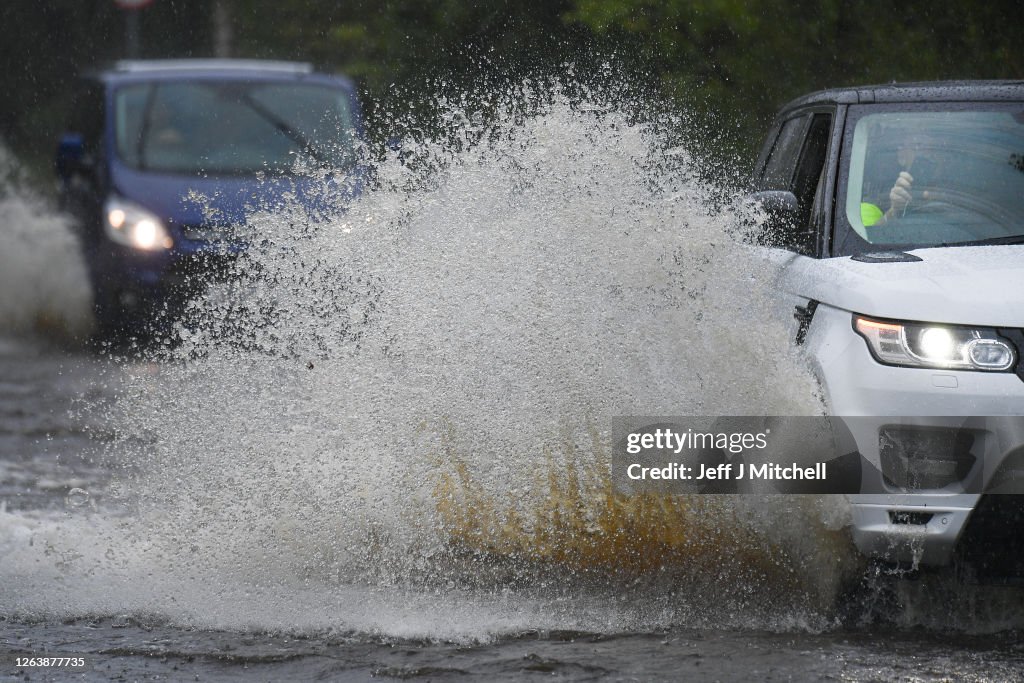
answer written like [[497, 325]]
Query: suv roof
[[928, 91]]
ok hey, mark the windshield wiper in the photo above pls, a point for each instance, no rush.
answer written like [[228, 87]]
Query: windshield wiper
[[147, 111], [1005, 239], [283, 126]]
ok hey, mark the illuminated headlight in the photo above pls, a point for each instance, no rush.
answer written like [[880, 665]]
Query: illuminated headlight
[[936, 346], [129, 224]]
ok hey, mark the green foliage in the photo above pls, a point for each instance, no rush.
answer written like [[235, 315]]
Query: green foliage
[[403, 52], [44, 46], [737, 61], [731, 63]]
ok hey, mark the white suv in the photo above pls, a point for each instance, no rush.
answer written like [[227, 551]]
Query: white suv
[[896, 213]]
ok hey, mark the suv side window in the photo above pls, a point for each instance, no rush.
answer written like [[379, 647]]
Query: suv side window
[[796, 165], [778, 170], [812, 162]]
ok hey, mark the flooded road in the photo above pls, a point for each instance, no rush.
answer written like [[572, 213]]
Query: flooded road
[[62, 596], [129, 652], [382, 449]]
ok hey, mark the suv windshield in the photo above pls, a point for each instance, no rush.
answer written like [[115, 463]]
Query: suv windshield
[[919, 176], [232, 128]]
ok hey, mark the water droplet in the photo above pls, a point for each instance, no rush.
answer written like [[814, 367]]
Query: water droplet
[[77, 498]]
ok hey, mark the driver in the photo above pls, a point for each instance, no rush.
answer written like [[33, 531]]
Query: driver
[[909, 151]]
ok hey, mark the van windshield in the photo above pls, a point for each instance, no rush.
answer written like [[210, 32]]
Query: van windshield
[[922, 177], [232, 128]]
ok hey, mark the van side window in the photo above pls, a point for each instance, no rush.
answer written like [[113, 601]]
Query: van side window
[[778, 170]]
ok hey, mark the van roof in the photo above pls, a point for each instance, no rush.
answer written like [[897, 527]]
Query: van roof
[[150, 70], [162, 65]]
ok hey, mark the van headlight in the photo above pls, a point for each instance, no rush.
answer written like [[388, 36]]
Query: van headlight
[[927, 345], [130, 224]]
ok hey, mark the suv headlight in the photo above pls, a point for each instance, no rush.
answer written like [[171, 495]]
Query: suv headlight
[[927, 345], [130, 224]]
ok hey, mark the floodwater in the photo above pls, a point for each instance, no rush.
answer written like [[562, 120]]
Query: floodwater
[[381, 450]]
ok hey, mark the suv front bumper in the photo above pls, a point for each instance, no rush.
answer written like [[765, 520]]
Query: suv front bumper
[[918, 525]]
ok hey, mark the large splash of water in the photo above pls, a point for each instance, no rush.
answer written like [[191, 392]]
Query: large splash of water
[[43, 283], [397, 421]]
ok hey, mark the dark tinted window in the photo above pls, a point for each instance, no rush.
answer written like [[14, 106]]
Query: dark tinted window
[[812, 162], [807, 185], [778, 171]]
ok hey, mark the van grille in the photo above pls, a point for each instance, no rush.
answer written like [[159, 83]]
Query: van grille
[[199, 269], [206, 232]]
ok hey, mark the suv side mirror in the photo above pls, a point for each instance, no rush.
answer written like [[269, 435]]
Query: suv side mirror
[[779, 205], [71, 157], [782, 211]]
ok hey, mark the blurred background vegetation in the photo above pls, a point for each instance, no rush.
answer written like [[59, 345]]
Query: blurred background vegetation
[[730, 63]]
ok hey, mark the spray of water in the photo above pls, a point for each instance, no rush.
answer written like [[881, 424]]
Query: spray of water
[[397, 421], [43, 283]]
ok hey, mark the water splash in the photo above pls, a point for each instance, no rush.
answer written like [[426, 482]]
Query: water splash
[[77, 497], [43, 283], [397, 421]]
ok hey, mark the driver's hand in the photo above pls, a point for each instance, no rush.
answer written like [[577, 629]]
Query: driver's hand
[[899, 195]]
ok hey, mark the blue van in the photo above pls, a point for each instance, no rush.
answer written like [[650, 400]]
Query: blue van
[[162, 157]]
